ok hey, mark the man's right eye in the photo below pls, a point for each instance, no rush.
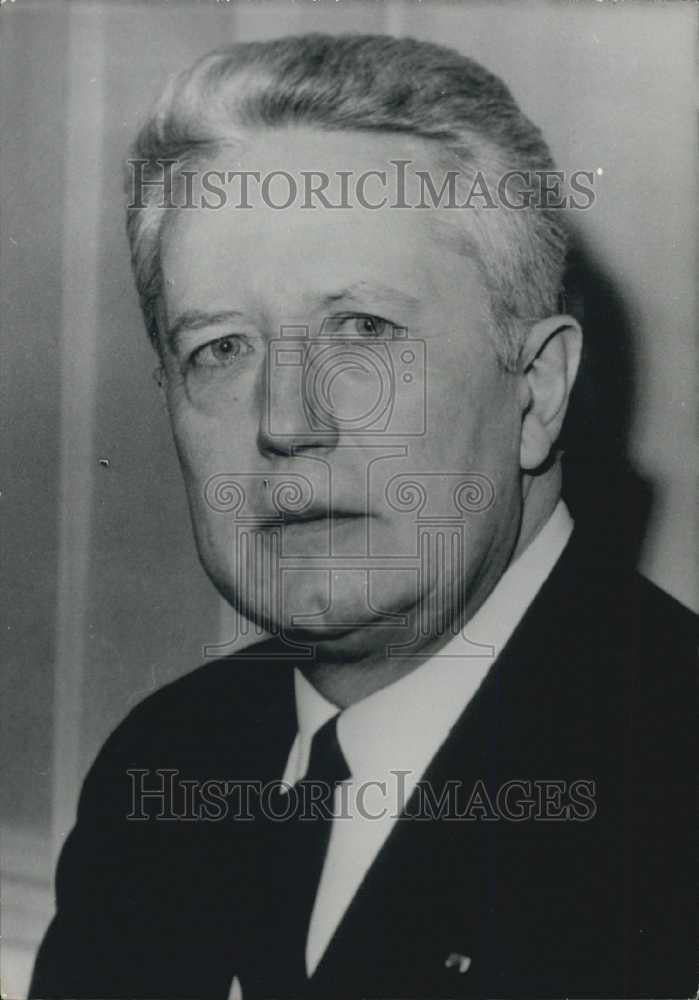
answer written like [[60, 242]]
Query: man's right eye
[[219, 353]]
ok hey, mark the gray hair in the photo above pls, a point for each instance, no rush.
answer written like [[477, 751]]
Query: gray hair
[[365, 82]]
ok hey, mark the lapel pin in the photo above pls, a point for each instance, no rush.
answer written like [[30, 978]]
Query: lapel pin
[[462, 962]]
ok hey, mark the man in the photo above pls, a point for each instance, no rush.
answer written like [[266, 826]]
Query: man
[[367, 374]]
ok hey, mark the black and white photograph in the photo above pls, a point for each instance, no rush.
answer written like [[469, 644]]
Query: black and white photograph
[[348, 499]]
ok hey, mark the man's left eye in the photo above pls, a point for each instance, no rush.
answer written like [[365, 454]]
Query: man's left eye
[[364, 325]]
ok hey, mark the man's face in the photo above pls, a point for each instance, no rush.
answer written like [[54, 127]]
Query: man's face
[[389, 377]]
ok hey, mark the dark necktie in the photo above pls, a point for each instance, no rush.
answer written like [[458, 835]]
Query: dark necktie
[[296, 854], [327, 767]]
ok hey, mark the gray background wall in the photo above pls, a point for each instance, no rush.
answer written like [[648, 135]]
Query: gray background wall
[[105, 598]]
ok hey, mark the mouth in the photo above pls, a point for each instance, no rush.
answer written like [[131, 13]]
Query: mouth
[[337, 517]]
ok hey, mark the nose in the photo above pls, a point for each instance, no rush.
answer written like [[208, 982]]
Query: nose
[[287, 438], [289, 423]]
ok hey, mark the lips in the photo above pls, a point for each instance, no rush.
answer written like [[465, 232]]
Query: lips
[[310, 516]]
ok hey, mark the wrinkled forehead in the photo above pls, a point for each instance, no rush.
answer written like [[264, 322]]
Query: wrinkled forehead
[[301, 207], [282, 174], [340, 155]]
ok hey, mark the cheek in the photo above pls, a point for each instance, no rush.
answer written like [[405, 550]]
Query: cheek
[[191, 440], [202, 458], [471, 416], [208, 432]]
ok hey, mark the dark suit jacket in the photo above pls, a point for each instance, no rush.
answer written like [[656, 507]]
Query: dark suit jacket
[[595, 685]]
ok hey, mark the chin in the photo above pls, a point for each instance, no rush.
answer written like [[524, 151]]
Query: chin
[[343, 646], [318, 605]]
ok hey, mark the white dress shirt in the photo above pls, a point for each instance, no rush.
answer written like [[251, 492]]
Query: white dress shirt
[[401, 727]]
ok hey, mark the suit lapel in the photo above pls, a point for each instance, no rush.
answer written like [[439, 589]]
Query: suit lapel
[[476, 887]]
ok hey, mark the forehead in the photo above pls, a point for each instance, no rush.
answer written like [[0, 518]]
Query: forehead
[[251, 247]]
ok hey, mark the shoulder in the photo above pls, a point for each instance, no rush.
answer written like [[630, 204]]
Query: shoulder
[[224, 684], [202, 715], [634, 648], [666, 643], [664, 619], [651, 626], [597, 582], [624, 648]]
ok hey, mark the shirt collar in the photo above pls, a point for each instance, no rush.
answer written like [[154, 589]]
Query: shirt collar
[[401, 726]]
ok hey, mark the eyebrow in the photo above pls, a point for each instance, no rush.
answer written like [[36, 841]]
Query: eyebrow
[[361, 289], [197, 319]]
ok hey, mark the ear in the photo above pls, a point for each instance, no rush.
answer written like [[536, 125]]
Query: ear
[[548, 368]]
